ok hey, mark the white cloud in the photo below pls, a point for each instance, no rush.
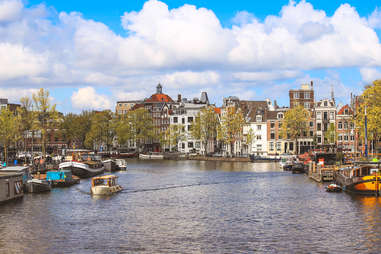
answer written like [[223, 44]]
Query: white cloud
[[87, 98], [186, 48], [10, 10], [191, 79], [375, 18], [263, 76], [14, 94], [370, 74]]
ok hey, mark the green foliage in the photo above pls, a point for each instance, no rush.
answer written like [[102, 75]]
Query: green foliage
[[371, 100], [295, 123], [172, 135], [9, 129], [101, 131], [330, 134], [136, 125], [46, 117], [75, 128], [205, 125], [231, 127]]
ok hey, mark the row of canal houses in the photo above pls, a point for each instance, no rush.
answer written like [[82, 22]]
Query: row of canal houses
[[331, 126]]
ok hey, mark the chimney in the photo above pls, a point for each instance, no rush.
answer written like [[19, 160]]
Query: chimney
[[179, 98], [312, 85]]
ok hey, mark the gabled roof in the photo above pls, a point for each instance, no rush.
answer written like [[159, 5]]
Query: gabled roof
[[342, 110]]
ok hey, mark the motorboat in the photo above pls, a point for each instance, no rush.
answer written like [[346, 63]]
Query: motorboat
[[83, 169], [110, 165], [286, 163], [298, 168], [104, 185], [38, 185], [360, 178], [122, 164], [333, 188]]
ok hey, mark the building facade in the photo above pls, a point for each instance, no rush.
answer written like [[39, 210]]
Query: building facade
[[345, 130], [325, 114], [303, 96]]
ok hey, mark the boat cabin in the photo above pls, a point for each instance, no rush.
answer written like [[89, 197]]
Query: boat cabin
[[11, 186], [107, 180]]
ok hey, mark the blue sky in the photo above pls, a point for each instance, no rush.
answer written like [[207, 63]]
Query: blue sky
[[90, 54]]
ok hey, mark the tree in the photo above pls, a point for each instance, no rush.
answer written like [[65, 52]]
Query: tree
[[102, 130], [249, 138], [230, 130], [172, 135], [9, 130], [295, 123], [46, 117], [371, 101], [204, 127], [330, 134], [27, 119], [75, 128], [136, 125]]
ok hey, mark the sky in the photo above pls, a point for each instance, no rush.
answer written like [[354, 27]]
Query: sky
[[90, 54]]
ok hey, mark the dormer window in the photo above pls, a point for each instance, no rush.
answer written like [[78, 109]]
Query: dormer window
[[259, 118], [280, 115]]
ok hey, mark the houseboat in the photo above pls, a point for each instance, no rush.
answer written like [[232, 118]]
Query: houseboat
[[110, 165], [151, 156], [360, 178], [104, 185], [37, 185], [83, 169], [11, 186], [61, 178]]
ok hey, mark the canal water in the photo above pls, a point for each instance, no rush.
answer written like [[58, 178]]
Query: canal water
[[194, 207]]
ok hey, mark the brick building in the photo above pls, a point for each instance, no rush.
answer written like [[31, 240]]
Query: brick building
[[303, 96]]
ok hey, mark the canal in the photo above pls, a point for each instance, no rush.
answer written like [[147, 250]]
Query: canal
[[194, 207]]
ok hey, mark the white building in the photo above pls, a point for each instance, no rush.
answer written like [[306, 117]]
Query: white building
[[258, 129], [325, 113], [184, 114]]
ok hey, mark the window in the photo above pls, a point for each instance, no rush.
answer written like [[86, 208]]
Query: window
[[352, 137], [190, 119], [175, 119], [325, 116], [280, 126], [306, 95], [325, 127], [189, 127], [319, 139], [259, 127], [345, 137], [352, 125], [271, 146], [345, 125], [272, 135], [278, 146], [296, 95], [259, 147], [190, 144], [280, 115], [272, 125], [325, 103], [319, 126], [340, 125], [340, 137], [311, 133], [318, 115], [183, 120], [259, 137], [259, 118], [332, 115], [311, 124], [183, 145]]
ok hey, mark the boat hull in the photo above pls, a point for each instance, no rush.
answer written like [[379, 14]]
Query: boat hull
[[367, 186], [81, 170], [105, 190], [37, 187]]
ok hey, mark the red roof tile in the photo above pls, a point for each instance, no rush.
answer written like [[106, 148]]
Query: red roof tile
[[159, 97]]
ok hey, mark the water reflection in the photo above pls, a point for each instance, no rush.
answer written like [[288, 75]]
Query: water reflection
[[194, 207]]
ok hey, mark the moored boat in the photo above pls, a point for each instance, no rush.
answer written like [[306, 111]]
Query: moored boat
[[83, 169], [38, 185], [104, 185], [298, 168], [360, 178], [333, 188], [122, 165], [11, 186], [61, 178], [110, 165], [151, 156]]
